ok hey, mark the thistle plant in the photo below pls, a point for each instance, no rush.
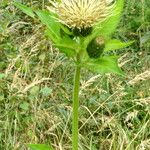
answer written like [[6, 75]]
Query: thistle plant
[[82, 30]]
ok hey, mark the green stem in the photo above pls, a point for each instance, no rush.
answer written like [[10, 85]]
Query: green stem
[[75, 108]]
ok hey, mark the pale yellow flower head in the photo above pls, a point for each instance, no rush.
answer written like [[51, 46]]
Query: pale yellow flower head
[[82, 14]]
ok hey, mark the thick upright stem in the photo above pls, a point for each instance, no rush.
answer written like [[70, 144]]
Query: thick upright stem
[[75, 109]]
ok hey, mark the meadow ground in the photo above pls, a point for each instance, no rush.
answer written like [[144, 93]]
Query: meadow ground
[[36, 85]]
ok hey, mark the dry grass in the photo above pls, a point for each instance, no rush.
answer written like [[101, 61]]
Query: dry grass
[[35, 99]]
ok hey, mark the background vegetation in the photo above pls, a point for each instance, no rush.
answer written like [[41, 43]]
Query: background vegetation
[[36, 82]]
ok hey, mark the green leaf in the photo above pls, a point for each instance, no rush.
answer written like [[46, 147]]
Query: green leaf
[[53, 26], [65, 50], [39, 147], [25, 9], [2, 76], [50, 35], [66, 30], [106, 64], [107, 28], [46, 91], [24, 106], [116, 44], [65, 44]]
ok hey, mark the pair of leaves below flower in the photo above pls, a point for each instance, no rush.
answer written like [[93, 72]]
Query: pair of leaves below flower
[[39, 147], [106, 64], [53, 30]]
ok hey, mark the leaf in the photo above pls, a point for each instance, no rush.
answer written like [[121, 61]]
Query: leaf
[[64, 45], [66, 30], [24, 106], [39, 147], [2, 76], [25, 9], [49, 19], [50, 35], [68, 45], [46, 91], [67, 42], [67, 51], [106, 64], [108, 27], [63, 42], [116, 44]]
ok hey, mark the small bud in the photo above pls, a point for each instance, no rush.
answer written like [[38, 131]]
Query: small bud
[[95, 48]]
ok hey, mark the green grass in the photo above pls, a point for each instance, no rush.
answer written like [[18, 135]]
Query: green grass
[[36, 82]]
